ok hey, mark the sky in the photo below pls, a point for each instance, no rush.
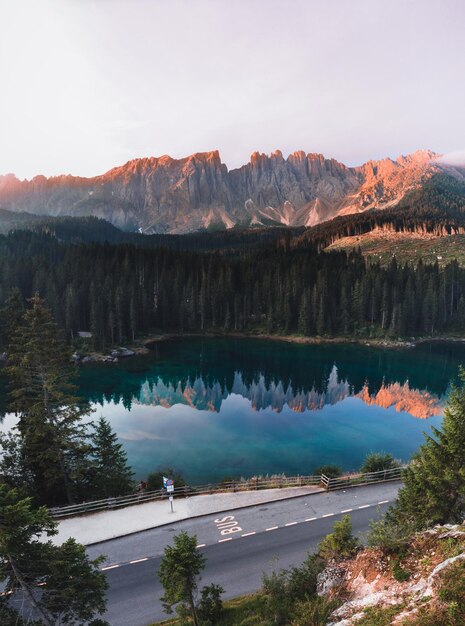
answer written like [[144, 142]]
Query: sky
[[86, 85]]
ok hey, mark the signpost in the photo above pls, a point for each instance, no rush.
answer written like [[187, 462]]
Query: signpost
[[168, 484]]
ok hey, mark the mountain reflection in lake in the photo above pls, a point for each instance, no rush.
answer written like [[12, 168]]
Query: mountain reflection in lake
[[201, 396], [227, 407]]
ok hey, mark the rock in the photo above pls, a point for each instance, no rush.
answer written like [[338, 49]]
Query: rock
[[109, 359], [122, 353], [331, 577], [428, 590]]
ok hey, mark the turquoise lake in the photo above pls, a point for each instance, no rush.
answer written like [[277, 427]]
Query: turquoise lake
[[215, 407]]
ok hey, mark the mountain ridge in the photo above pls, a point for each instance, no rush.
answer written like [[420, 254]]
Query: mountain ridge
[[167, 195]]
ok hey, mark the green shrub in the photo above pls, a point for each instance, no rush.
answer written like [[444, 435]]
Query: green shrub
[[331, 471], [340, 543], [452, 585], [284, 589], [155, 479], [278, 604], [379, 616], [314, 612], [210, 606], [389, 537], [378, 461], [399, 573]]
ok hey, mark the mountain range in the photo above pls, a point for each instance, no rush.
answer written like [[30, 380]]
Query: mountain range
[[166, 195]]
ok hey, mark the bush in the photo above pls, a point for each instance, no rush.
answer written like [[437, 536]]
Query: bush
[[284, 589], [379, 616], [378, 461], [155, 479], [314, 612], [399, 573], [389, 537], [452, 585], [278, 604], [331, 471], [340, 543], [210, 606]]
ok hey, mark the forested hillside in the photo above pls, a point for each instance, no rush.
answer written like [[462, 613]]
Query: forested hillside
[[438, 207], [119, 292]]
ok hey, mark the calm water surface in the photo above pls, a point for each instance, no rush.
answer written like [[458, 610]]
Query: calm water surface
[[216, 408]]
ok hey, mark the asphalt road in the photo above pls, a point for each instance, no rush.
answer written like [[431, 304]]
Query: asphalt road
[[238, 550]]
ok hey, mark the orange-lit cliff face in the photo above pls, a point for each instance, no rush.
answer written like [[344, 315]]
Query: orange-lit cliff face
[[161, 194]]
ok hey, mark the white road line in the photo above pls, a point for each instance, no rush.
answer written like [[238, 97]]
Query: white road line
[[109, 567], [347, 510], [291, 524], [383, 502], [272, 528], [365, 506], [146, 558], [328, 515], [201, 545], [248, 534], [310, 519], [227, 539]]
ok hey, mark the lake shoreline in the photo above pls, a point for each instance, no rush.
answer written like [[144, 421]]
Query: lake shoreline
[[142, 346], [298, 339]]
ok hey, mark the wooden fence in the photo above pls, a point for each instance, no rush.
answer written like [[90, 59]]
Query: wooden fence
[[234, 486]]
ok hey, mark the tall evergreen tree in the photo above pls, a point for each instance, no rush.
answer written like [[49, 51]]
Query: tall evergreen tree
[[10, 316], [434, 482], [111, 474], [73, 589], [50, 414]]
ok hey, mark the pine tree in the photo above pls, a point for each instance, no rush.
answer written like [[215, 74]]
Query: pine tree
[[434, 482], [50, 415], [73, 589], [111, 474], [10, 316]]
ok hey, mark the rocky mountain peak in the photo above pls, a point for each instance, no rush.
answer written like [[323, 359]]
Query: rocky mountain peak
[[163, 194]]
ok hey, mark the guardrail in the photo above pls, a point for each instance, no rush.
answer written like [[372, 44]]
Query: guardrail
[[352, 480], [234, 486]]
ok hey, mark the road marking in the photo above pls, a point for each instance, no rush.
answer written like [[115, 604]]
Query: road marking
[[365, 506], [328, 515], [310, 519], [272, 528], [248, 534], [227, 525], [383, 502], [146, 558], [201, 545], [110, 567], [227, 539], [291, 524], [347, 510]]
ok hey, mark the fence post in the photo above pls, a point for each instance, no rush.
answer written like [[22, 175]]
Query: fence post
[[234, 486]]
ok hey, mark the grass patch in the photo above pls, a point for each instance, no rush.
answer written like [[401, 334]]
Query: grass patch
[[379, 616], [243, 611]]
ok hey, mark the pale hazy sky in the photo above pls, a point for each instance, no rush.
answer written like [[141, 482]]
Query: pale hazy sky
[[89, 84]]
